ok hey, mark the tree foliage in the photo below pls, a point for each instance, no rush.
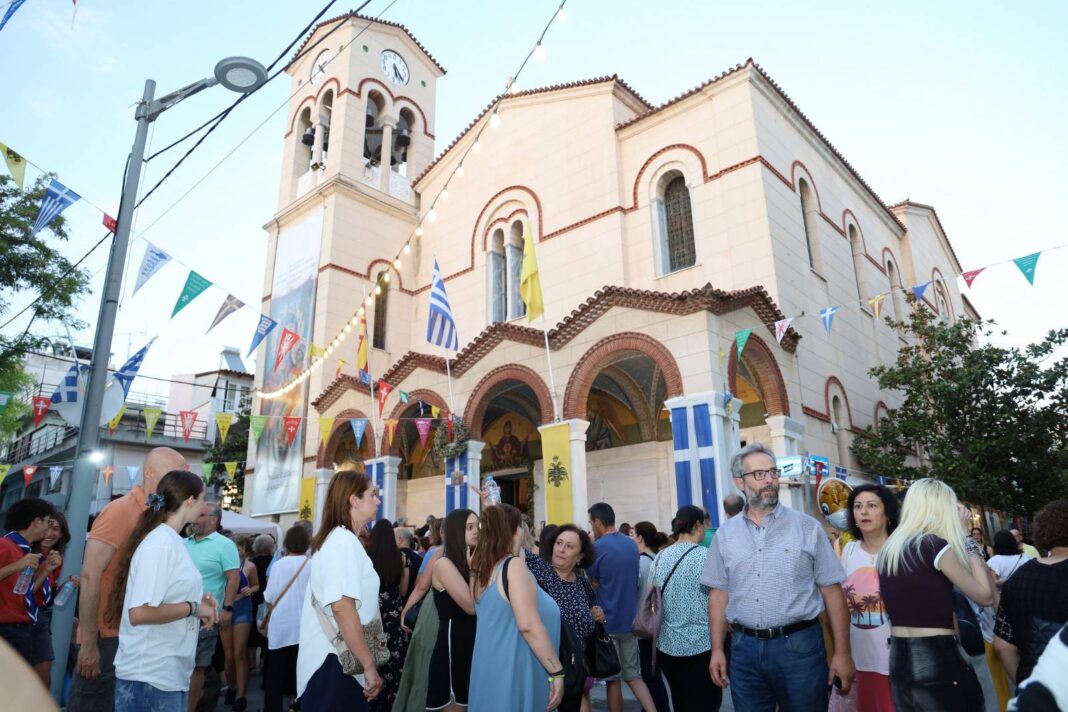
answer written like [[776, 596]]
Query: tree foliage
[[235, 449], [991, 422]]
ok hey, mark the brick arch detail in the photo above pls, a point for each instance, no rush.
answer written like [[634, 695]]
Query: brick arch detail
[[419, 394], [479, 400], [493, 202], [833, 381], [585, 371], [661, 152], [325, 456], [505, 223], [762, 360], [880, 409], [314, 100]]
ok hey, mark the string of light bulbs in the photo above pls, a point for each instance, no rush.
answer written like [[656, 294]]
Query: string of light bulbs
[[537, 52]]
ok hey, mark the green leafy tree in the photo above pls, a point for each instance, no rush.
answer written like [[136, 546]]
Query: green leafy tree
[[31, 266], [235, 449], [989, 421]]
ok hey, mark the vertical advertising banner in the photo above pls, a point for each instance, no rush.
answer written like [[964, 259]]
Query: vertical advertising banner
[[276, 484]]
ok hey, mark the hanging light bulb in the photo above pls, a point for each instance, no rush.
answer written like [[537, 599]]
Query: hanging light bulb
[[418, 233], [445, 193], [354, 320], [385, 277], [495, 120], [408, 245], [361, 312], [460, 171], [513, 86], [348, 328], [477, 147], [378, 289], [432, 215], [561, 15], [539, 53], [341, 336], [397, 264], [370, 299]]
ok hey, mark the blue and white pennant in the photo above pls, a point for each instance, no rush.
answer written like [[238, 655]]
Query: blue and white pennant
[[57, 198]]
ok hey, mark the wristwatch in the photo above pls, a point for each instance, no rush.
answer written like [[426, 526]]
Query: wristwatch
[[228, 608]]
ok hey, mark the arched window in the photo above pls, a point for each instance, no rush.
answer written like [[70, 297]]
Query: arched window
[[303, 145], [402, 141], [372, 138], [514, 250], [945, 309], [495, 266], [856, 245], [674, 224], [326, 109], [896, 300], [381, 304], [810, 213], [841, 431]]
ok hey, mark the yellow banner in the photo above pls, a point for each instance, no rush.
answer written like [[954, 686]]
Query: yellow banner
[[325, 426], [307, 498], [555, 447], [223, 420]]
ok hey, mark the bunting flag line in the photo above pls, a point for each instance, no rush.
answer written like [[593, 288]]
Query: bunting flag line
[[107, 471], [740, 338], [231, 469], [440, 324], [265, 327], [326, 425], [1027, 265], [361, 348], [286, 342], [114, 422], [391, 428], [57, 198], [919, 289], [151, 417], [54, 473], [529, 280], [359, 427], [40, 409], [781, 327], [970, 276], [292, 425], [827, 317], [423, 426], [404, 396], [151, 262], [207, 468], [126, 375], [16, 164], [188, 419], [132, 472], [229, 306], [256, 424], [383, 393], [110, 223], [194, 287], [223, 421], [27, 474], [4, 470], [876, 304]]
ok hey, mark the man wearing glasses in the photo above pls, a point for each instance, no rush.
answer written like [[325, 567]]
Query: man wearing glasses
[[771, 572]]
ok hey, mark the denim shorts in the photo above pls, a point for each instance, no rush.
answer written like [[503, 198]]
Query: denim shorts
[[140, 696]]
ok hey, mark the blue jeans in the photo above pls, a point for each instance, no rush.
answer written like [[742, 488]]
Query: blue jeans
[[789, 673], [140, 696]]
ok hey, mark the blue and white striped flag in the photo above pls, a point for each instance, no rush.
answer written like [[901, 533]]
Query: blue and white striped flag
[[57, 198], [128, 372], [440, 326], [67, 391]]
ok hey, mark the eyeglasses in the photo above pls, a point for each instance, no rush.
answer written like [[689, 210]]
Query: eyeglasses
[[761, 475]]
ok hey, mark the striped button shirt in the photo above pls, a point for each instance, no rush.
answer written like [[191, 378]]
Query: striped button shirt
[[772, 573]]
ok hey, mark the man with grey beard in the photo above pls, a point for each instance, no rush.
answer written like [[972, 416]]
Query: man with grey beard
[[772, 571]]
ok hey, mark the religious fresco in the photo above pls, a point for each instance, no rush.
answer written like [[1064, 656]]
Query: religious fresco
[[509, 441]]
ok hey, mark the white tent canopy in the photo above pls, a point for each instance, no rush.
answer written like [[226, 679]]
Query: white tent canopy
[[240, 524]]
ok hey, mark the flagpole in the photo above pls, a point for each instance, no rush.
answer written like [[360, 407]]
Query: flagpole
[[370, 376], [549, 359], [448, 374]]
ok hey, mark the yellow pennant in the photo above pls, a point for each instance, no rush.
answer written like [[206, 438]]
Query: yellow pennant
[[231, 469], [391, 428], [114, 422], [316, 351], [876, 303], [435, 411], [556, 454], [223, 420], [16, 164], [325, 426]]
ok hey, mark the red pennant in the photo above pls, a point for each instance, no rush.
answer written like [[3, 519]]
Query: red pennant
[[286, 342], [28, 472], [384, 389], [107, 471], [292, 425], [110, 223], [40, 407], [970, 276], [423, 426], [189, 419]]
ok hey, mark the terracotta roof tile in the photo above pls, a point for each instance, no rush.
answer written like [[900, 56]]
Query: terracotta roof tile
[[358, 16]]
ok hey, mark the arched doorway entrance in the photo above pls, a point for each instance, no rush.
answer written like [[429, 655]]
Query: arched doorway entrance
[[756, 380], [340, 450]]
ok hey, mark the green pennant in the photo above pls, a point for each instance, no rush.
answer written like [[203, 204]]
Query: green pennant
[[151, 418], [256, 424], [4, 469], [741, 337], [207, 467], [1027, 266], [194, 285], [404, 397]]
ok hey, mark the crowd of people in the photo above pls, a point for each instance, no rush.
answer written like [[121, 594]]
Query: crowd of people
[[908, 609]]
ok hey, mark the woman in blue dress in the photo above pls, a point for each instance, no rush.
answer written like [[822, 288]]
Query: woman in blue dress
[[515, 665]]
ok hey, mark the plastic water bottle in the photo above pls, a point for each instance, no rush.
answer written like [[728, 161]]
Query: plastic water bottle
[[66, 591], [494, 490], [23, 584]]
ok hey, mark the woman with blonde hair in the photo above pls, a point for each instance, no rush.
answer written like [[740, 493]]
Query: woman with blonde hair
[[918, 566], [342, 598]]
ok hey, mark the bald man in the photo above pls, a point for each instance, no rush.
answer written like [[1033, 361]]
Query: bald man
[[93, 687]]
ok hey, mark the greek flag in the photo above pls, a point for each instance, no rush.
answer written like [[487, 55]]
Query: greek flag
[[67, 392], [57, 198], [128, 372], [440, 326]]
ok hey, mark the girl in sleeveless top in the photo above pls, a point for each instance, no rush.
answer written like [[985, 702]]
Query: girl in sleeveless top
[[248, 585]]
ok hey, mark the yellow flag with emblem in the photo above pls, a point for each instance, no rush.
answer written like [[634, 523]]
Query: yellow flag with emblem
[[556, 455], [223, 420], [529, 280], [16, 164]]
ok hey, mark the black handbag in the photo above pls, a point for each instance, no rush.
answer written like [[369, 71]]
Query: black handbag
[[601, 658], [412, 616], [971, 635], [573, 658]]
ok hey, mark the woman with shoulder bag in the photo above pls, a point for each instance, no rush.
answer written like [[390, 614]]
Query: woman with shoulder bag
[[340, 629], [283, 601]]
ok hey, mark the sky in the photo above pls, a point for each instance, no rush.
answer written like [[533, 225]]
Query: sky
[[957, 105]]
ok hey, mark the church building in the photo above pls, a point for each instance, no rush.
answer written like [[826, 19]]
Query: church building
[[666, 236]]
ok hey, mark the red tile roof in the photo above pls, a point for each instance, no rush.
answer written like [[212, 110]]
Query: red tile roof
[[358, 16]]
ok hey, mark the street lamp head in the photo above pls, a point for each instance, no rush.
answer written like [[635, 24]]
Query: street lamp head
[[240, 74]]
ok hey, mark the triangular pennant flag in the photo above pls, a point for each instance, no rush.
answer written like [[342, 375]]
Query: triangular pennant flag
[[827, 317], [919, 289], [361, 349], [365, 378], [151, 262], [188, 419], [359, 427], [263, 328], [114, 422], [970, 276], [781, 327], [54, 473], [40, 408], [391, 428], [384, 390], [316, 351], [132, 472], [107, 471], [256, 424], [876, 304], [229, 306], [110, 223], [194, 286], [151, 416], [340, 364], [1027, 265], [404, 396], [741, 337], [423, 426], [4, 470], [126, 375], [207, 468], [27, 473], [292, 425], [223, 421], [231, 469], [529, 279], [286, 342], [57, 198], [435, 411], [326, 425], [15, 163]]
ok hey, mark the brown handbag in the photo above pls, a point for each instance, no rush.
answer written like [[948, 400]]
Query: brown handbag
[[262, 626], [373, 634]]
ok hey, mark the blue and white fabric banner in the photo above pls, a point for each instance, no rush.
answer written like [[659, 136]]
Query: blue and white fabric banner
[[15, 5], [128, 372], [153, 261], [54, 473], [265, 327], [359, 427], [440, 324], [57, 198], [67, 390], [456, 489], [695, 461], [133, 472], [840, 472]]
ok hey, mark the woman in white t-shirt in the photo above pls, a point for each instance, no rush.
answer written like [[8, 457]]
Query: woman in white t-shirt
[[344, 587], [1008, 557], [159, 601]]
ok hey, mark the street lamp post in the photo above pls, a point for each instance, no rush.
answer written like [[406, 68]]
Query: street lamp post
[[237, 74]]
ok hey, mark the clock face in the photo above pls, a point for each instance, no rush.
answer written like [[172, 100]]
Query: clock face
[[394, 68], [318, 70]]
